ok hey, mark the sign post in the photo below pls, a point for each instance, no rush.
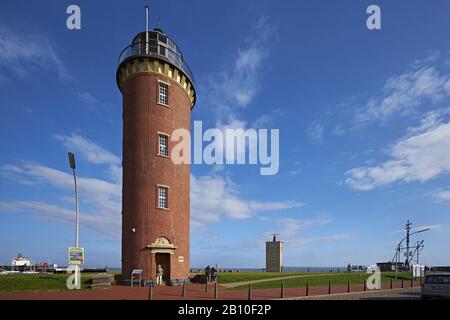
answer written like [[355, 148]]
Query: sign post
[[76, 257]]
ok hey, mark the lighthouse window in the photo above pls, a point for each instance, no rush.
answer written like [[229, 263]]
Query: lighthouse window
[[163, 145], [162, 39], [162, 50], [162, 197], [163, 93]]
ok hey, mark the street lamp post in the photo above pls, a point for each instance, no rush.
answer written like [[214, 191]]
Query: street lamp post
[[77, 221]]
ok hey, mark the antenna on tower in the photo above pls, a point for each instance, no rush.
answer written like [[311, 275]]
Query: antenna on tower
[[408, 253], [274, 236], [146, 29], [408, 229]]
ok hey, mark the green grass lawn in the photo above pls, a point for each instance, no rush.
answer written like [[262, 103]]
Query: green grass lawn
[[32, 282], [322, 279], [228, 277]]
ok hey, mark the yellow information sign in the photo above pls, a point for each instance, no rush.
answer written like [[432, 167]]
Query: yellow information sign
[[76, 255]]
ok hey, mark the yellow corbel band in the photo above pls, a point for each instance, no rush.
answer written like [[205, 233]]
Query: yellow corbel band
[[137, 67]]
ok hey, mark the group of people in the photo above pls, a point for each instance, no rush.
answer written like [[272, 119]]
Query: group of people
[[211, 274]]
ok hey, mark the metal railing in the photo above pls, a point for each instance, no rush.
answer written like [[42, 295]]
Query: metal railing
[[151, 49]]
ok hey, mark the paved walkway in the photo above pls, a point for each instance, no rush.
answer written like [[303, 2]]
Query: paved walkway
[[246, 283], [193, 292], [394, 294]]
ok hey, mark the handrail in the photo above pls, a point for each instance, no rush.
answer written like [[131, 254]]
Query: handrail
[[152, 49]]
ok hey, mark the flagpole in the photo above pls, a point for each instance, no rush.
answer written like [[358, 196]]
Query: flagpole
[[146, 29]]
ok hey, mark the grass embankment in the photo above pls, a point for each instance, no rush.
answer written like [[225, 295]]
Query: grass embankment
[[34, 282], [229, 277], [322, 280]]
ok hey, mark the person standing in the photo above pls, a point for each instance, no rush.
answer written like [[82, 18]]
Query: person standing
[[159, 275], [213, 274], [208, 273]]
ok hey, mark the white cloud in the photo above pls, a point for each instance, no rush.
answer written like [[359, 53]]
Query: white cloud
[[222, 200], [88, 149], [442, 195], [24, 53], [101, 199], [430, 120], [266, 120], [93, 153], [59, 214], [424, 85], [420, 156], [230, 144], [315, 131], [295, 172], [292, 231], [236, 85], [321, 239], [431, 226], [87, 98], [403, 93], [292, 225]]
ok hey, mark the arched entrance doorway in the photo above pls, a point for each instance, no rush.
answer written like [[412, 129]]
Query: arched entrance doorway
[[163, 259], [162, 251]]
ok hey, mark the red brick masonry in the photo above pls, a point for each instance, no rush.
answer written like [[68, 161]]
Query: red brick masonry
[[144, 169]]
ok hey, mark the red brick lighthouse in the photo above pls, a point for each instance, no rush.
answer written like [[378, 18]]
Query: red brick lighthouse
[[158, 96]]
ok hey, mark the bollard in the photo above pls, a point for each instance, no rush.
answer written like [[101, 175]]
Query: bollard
[[412, 283], [150, 292], [348, 285], [249, 292], [402, 283], [183, 293], [365, 285], [216, 293], [282, 290], [391, 284], [329, 287], [206, 285], [307, 288]]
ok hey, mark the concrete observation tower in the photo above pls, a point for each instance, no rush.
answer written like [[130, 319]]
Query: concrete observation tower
[[158, 96], [274, 255]]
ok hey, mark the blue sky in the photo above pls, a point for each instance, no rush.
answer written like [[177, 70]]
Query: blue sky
[[364, 119]]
